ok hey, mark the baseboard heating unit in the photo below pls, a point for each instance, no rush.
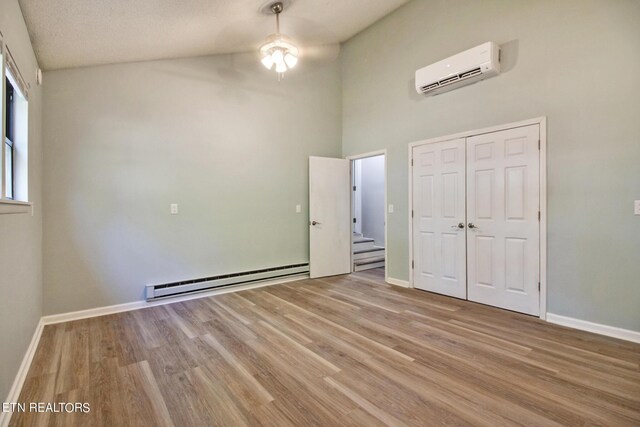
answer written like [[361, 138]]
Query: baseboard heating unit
[[154, 292]]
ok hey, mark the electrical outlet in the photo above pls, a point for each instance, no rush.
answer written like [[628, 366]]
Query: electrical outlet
[[636, 207], [174, 208], [298, 208], [390, 208]]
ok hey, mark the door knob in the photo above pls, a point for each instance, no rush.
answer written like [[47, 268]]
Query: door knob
[[471, 225], [460, 225], [315, 223]]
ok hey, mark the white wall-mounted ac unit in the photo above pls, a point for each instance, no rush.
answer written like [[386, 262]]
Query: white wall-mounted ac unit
[[470, 66]]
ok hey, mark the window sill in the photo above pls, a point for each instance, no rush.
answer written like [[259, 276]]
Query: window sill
[[15, 207]]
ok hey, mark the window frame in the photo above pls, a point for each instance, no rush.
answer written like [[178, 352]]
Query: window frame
[[10, 176], [8, 140], [8, 202]]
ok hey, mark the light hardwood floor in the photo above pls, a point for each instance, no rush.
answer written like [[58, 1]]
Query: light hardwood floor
[[347, 350]]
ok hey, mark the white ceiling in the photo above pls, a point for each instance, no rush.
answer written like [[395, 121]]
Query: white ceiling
[[75, 33]]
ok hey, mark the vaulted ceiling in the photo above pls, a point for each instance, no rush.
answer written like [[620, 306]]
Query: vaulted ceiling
[[75, 33]]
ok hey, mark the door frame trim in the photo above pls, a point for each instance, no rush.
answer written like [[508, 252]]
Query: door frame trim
[[382, 152], [542, 122], [356, 178]]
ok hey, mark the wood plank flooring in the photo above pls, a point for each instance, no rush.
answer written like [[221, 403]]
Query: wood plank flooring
[[347, 350]]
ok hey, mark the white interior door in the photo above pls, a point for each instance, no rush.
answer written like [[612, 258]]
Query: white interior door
[[439, 218], [503, 202], [329, 214]]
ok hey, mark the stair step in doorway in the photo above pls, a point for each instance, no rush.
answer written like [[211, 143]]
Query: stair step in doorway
[[366, 255]]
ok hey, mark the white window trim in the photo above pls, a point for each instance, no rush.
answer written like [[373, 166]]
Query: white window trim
[[9, 206], [2, 117]]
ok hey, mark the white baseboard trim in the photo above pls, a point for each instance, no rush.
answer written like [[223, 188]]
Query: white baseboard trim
[[397, 282], [610, 331], [21, 376], [137, 305]]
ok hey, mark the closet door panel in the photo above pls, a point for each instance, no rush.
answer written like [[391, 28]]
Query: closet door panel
[[438, 210], [503, 199]]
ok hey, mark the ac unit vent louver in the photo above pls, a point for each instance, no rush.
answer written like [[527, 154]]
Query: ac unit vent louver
[[452, 79], [429, 87], [448, 80], [471, 73]]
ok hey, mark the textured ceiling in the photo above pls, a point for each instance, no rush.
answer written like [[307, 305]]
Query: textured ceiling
[[75, 33]]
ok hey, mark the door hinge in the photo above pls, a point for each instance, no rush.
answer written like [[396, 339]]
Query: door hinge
[[539, 215], [538, 286], [413, 264], [354, 188], [354, 220], [411, 213], [538, 144], [411, 162]]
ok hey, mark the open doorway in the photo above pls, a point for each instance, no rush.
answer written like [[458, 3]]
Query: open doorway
[[368, 208]]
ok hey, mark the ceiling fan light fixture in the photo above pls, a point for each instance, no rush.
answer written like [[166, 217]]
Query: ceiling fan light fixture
[[290, 60], [278, 49], [278, 55], [281, 67], [267, 61]]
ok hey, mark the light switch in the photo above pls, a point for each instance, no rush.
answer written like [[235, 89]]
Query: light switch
[[390, 208], [298, 208], [174, 208], [636, 207]]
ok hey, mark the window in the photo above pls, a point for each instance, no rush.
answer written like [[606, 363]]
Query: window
[[8, 140], [14, 110]]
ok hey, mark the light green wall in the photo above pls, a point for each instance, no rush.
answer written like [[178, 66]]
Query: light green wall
[[217, 135], [576, 62], [21, 234]]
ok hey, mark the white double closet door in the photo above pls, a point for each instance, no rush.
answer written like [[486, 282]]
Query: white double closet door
[[476, 204]]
